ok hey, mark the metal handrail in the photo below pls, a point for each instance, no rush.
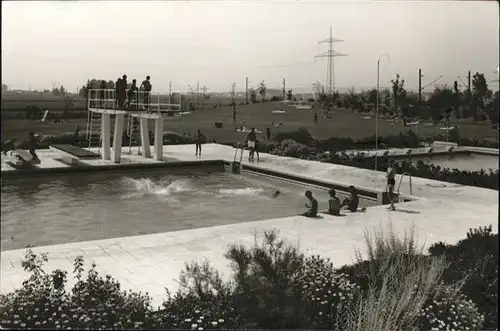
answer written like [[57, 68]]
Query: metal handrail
[[109, 96], [401, 181]]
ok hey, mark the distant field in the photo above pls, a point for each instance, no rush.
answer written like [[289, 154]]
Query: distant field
[[341, 124], [15, 103]]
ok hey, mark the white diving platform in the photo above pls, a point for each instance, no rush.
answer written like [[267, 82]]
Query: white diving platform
[[141, 105]]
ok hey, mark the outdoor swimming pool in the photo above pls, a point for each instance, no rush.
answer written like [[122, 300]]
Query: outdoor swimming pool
[[470, 162], [82, 207]]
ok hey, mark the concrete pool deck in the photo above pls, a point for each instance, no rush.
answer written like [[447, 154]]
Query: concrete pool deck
[[441, 212]]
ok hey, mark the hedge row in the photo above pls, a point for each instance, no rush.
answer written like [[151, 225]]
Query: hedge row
[[275, 286]]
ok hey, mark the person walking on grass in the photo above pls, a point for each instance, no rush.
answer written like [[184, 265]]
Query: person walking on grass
[[391, 182], [199, 138]]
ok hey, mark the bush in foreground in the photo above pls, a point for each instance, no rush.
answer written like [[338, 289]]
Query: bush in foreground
[[273, 285], [402, 289]]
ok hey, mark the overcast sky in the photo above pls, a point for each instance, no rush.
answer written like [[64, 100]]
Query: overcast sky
[[217, 43]]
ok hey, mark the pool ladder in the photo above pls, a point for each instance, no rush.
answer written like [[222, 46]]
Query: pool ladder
[[236, 166]]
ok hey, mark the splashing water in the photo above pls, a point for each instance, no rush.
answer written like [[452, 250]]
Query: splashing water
[[146, 186]]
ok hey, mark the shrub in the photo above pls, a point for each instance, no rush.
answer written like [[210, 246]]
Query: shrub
[[294, 149], [273, 285], [327, 294], [266, 276], [94, 302], [474, 259], [301, 136], [448, 309], [400, 286], [204, 300]]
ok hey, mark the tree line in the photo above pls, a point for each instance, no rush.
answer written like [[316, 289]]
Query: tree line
[[477, 101]]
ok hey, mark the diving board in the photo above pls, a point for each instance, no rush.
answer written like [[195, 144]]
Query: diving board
[[75, 151], [72, 154]]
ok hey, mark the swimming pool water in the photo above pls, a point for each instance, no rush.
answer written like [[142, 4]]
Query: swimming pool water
[[100, 206], [471, 162]]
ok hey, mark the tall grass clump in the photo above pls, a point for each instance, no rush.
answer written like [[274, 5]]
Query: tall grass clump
[[399, 285]]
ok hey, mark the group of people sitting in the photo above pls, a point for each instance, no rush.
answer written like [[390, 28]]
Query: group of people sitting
[[334, 204]]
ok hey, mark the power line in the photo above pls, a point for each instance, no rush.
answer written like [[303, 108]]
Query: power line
[[330, 54]]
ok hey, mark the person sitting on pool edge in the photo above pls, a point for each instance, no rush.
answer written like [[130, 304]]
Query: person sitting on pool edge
[[334, 204], [313, 206], [352, 202]]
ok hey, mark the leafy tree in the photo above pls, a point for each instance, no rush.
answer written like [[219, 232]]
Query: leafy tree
[[411, 106], [457, 100], [398, 92], [492, 108], [62, 91], [317, 89], [5, 88], [253, 95], [480, 93], [262, 90], [441, 102], [56, 92], [385, 98], [372, 96], [95, 84], [69, 102], [289, 95], [352, 99]]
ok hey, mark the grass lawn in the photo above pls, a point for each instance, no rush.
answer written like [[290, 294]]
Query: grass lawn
[[341, 124]]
